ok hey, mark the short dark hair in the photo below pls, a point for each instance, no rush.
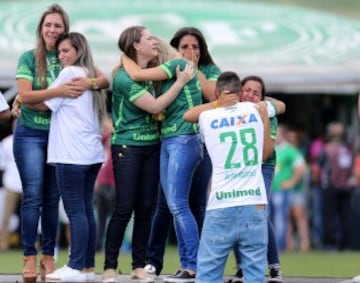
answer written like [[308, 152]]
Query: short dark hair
[[228, 81]]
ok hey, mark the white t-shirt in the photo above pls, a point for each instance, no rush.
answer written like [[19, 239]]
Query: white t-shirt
[[11, 178], [3, 104], [234, 138], [74, 136]]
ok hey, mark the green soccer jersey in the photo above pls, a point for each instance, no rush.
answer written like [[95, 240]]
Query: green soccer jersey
[[132, 125], [190, 96], [273, 128], [211, 72], [287, 157], [27, 70]]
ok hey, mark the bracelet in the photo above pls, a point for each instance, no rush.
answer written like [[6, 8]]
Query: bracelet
[[93, 83], [216, 104], [18, 100]]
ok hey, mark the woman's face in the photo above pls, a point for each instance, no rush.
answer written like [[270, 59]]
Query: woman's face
[[67, 53], [251, 91], [147, 46], [189, 48], [51, 28]]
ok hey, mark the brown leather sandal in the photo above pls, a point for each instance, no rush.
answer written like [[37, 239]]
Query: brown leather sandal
[[47, 266], [29, 271]]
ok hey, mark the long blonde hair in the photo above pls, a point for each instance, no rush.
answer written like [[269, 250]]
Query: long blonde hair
[[85, 59], [40, 48], [126, 43], [166, 51]]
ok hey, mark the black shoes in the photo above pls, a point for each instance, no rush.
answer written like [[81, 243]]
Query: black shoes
[[182, 276], [275, 276]]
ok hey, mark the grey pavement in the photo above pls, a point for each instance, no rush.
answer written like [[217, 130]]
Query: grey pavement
[[125, 278]]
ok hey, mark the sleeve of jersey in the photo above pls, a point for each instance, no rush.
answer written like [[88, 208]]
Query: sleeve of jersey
[[213, 73], [169, 67], [201, 127], [25, 67], [270, 109]]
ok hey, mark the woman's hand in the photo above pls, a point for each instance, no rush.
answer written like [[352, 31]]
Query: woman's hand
[[72, 90], [80, 84], [191, 56], [183, 77], [15, 109], [227, 98]]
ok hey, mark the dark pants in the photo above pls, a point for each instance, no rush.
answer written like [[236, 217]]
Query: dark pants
[[336, 218], [136, 171], [76, 185]]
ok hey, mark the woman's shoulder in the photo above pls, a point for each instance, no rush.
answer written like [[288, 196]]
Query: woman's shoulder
[[74, 71], [28, 55]]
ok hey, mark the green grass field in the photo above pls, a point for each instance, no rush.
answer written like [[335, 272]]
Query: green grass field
[[311, 264]]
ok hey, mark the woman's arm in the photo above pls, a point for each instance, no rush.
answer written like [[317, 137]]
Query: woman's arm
[[5, 115], [155, 105], [99, 82], [138, 74], [224, 99], [280, 106], [30, 96], [207, 87]]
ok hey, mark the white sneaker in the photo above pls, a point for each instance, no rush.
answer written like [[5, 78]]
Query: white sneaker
[[149, 268], [90, 276], [66, 274], [61, 269], [356, 279]]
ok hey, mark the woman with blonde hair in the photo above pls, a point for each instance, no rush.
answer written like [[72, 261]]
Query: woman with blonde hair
[[37, 69], [135, 150]]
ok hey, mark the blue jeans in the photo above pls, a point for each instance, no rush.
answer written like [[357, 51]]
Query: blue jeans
[[242, 226], [40, 192], [272, 253], [136, 171], [162, 217], [179, 157], [199, 188], [76, 184], [279, 212]]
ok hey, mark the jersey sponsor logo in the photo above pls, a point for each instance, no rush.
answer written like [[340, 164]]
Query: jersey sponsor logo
[[170, 129], [221, 195], [146, 137], [42, 121], [242, 174], [237, 120]]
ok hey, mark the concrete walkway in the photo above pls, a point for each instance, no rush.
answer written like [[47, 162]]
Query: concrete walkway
[[16, 278]]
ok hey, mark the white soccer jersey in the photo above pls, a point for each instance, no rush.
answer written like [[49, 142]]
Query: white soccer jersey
[[74, 136], [234, 138]]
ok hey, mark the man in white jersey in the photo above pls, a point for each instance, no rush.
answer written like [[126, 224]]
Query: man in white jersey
[[236, 214]]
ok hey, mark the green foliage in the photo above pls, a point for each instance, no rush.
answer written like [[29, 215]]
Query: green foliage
[[311, 264]]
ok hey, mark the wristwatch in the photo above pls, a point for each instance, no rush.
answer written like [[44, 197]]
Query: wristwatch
[[93, 83]]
